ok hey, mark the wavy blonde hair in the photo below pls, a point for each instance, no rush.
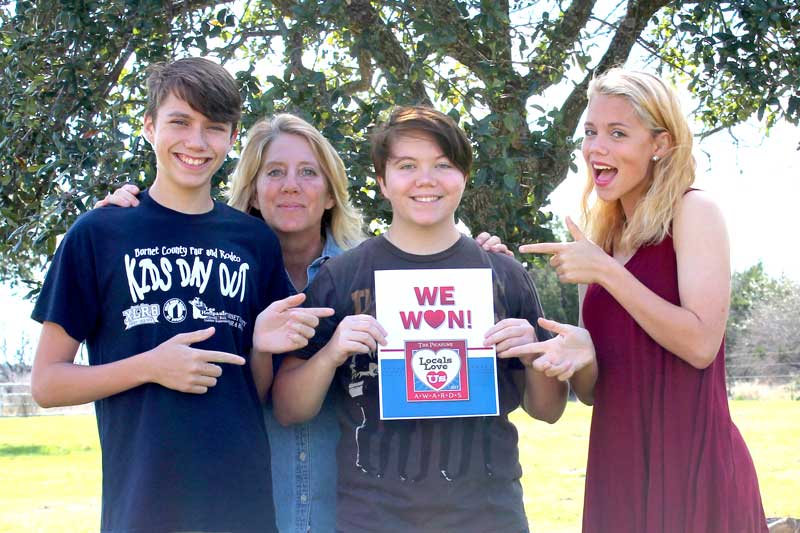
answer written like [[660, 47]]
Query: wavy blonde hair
[[657, 105], [343, 220]]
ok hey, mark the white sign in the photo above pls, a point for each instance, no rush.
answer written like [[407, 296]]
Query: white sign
[[435, 363]]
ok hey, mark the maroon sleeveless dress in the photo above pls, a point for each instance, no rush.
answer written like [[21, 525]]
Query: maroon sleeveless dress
[[664, 455]]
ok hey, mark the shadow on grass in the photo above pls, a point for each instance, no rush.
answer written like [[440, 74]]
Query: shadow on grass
[[31, 449]]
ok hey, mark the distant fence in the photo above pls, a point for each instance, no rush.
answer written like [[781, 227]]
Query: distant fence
[[16, 400]]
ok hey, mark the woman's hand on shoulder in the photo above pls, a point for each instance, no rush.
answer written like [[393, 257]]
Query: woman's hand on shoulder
[[125, 196], [492, 243], [579, 261]]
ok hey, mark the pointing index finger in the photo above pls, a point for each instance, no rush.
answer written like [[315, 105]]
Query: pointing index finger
[[320, 312], [542, 248], [212, 356]]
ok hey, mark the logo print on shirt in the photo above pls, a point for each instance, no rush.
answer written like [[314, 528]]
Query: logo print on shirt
[[139, 314], [200, 311], [175, 310]]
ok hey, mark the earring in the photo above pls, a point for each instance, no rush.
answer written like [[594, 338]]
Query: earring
[[656, 159]]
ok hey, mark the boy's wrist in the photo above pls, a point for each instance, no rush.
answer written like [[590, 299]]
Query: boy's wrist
[[144, 370], [328, 358]]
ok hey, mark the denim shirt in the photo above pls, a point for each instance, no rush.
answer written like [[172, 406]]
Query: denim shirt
[[304, 456]]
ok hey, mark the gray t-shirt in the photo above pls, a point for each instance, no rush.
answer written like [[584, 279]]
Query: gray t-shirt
[[445, 474]]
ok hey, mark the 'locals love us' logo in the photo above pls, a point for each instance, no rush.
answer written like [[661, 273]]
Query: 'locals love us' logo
[[436, 370]]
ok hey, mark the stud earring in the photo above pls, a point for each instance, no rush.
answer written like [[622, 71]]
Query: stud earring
[[656, 159]]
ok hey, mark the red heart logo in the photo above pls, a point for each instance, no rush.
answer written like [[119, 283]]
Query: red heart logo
[[436, 379], [434, 318]]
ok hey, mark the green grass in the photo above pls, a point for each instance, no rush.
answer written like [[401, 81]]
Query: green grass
[[50, 472], [554, 460], [50, 467]]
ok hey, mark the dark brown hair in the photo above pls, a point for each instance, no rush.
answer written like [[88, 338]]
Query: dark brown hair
[[206, 86], [406, 120]]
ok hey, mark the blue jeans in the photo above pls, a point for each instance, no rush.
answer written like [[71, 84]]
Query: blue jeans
[[304, 471]]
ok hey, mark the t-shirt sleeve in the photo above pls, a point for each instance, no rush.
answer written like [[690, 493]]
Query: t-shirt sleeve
[[524, 302], [321, 293], [531, 306], [278, 285], [70, 294]]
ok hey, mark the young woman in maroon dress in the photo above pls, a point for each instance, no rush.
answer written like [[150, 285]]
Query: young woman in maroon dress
[[664, 455]]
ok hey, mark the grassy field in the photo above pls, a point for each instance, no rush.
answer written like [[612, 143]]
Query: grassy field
[[50, 467]]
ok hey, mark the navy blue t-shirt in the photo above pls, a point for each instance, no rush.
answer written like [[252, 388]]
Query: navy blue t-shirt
[[126, 280]]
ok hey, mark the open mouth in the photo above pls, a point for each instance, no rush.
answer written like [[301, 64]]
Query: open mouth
[[603, 174]]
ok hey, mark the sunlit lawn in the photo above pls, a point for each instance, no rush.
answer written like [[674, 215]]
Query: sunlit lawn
[[50, 467], [554, 461]]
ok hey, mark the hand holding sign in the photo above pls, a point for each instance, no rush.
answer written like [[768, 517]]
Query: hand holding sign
[[355, 334], [436, 363], [580, 261], [283, 327], [509, 333], [563, 355]]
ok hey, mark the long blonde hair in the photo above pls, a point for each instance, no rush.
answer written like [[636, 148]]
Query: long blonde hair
[[343, 220], [657, 105]]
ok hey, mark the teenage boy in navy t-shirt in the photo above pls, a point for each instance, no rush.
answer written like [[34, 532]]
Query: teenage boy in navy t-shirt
[[166, 298], [446, 474]]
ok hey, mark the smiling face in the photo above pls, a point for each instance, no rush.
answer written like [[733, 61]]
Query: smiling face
[[291, 191], [618, 148], [422, 184], [189, 146]]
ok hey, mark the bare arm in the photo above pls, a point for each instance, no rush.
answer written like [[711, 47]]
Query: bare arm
[[57, 381], [583, 380], [545, 397], [261, 367], [694, 329], [300, 386]]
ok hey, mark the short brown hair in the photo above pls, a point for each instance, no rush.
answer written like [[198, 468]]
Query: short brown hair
[[405, 120], [206, 86]]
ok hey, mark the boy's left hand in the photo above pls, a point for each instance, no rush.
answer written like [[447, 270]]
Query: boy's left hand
[[508, 334], [492, 243], [283, 327]]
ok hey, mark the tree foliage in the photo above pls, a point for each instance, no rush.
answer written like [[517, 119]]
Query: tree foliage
[[741, 57], [513, 72]]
